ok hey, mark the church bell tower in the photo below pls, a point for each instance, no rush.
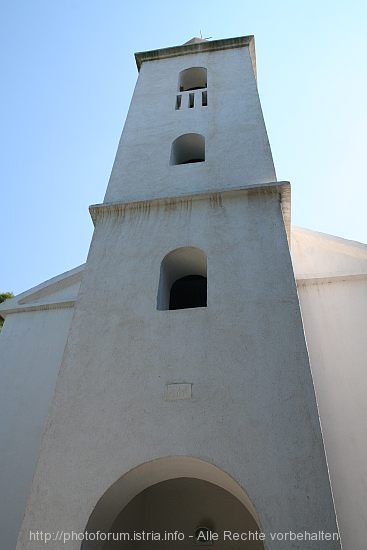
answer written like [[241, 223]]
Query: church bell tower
[[184, 402]]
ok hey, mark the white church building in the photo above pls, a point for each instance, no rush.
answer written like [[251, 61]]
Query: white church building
[[204, 371]]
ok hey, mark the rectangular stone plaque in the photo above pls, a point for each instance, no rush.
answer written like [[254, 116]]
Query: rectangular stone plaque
[[178, 391]]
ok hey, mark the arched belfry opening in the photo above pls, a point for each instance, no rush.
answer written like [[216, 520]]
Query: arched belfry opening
[[183, 279], [188, 149], [193, 78], [180, 498]]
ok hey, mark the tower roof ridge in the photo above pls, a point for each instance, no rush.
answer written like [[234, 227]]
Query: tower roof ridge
[[195, 40]]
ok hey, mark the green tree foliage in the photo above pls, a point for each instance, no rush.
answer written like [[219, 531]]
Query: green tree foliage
[[4, 296]]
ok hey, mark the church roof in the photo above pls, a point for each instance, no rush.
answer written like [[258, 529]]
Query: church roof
[[56, 293], [319, 257]]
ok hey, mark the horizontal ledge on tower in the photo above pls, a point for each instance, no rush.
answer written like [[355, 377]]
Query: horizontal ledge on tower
[[282, 188]]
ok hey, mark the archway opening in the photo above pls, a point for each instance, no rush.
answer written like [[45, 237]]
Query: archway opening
[[183, 513], [177, 500]]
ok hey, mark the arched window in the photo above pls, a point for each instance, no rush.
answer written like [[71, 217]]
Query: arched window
[[192, 79], [188, 148], [183, 279]]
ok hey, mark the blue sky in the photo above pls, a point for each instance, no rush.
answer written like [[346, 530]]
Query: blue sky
[[67, 76]]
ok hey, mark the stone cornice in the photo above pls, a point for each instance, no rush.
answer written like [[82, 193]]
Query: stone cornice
[[42, 297], [205, 46], [60, 304], [282, 188], [329, 279]]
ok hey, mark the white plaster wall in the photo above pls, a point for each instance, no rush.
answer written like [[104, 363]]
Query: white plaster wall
[[237, 147], [253, 410], [334, 316], [32, 344]]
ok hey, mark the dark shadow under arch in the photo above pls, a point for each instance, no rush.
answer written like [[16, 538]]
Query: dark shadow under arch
[[188, 292]]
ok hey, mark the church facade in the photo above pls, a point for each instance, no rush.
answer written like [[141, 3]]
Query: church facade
[[203, 371]]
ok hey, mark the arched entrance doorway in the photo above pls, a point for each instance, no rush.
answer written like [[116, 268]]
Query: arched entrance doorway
[[174, 503]]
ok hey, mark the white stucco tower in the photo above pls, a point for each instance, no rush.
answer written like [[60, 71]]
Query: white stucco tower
[[184, 397]]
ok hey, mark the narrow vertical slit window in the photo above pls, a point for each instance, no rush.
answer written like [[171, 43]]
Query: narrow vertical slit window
[[178, 102], [191, 100], [204, 99]]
